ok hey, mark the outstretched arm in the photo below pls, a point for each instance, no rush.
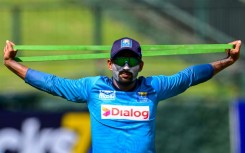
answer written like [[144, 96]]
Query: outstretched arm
[[233, 56], [72, 90], [10, 63]]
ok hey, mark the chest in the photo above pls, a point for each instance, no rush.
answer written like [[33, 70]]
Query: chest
[[109, 104]]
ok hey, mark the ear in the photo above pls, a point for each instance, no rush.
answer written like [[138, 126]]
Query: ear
[[109, 64], [141, 66]]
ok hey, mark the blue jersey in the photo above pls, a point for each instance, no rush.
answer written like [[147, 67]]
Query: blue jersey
[[121, 121]]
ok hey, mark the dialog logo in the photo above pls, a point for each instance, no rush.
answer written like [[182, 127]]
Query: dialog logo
[[137, 113], [106, 111]]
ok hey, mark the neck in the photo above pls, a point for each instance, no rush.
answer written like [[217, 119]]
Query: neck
[[124, 87]]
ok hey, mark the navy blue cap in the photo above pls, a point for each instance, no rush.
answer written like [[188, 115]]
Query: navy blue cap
[[126, 44]]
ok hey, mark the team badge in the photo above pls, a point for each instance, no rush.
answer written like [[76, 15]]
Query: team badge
[[126, 43], [142, 97]]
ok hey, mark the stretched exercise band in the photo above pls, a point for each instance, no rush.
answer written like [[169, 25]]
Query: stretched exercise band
[[148, 50]]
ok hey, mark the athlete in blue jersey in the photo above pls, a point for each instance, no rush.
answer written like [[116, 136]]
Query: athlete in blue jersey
[[122, 108]]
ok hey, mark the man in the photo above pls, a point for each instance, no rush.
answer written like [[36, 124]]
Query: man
[[122, 108]]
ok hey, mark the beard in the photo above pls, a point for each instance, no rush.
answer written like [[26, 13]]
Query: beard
[[124, 76]]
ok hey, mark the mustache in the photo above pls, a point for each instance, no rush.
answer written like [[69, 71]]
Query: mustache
[[125, 71]]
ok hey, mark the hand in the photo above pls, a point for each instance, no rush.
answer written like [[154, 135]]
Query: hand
[[9, 52], [10, 63], [233, 54]]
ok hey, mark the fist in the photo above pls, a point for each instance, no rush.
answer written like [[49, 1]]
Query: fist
[[9, 52]]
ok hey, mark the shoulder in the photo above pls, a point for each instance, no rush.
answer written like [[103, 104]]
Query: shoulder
[[95, 80], [152, 80]]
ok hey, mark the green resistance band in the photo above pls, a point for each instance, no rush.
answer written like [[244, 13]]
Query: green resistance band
[[148, 50]]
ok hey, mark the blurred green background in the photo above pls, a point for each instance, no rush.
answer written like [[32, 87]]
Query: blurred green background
[[195, 121]]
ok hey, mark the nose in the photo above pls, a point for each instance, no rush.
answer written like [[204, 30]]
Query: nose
[[126, 66]]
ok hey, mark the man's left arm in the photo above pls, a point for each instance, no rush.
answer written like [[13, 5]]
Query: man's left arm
[[232, 57]]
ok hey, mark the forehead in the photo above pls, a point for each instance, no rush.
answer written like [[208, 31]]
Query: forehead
[[126, 53]]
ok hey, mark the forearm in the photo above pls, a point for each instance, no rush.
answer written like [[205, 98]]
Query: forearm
[[221, 65], [233, 56], [17, 68]]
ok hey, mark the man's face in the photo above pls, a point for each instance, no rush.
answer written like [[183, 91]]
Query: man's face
[[125, 67]]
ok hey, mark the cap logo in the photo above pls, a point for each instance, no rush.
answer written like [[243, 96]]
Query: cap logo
[[126, 43]]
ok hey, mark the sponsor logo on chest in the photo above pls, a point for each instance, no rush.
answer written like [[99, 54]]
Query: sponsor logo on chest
[[107, 95], [139, 113]]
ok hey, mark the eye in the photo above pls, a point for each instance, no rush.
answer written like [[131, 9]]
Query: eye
[[131, 61]]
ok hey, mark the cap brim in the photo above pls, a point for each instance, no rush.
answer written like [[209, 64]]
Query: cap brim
[[125, 49]]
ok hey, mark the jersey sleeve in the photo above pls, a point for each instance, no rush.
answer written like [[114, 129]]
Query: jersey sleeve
[[169, 86], [72, 90]]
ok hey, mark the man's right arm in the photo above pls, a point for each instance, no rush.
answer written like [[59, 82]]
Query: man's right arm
[[72, 90], [10, 63]]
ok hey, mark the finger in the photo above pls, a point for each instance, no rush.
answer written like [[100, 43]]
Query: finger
[[10, 45], [8, 41], [236, 49], [6, 49], [6, 53], [235, 42], [238, 45]]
